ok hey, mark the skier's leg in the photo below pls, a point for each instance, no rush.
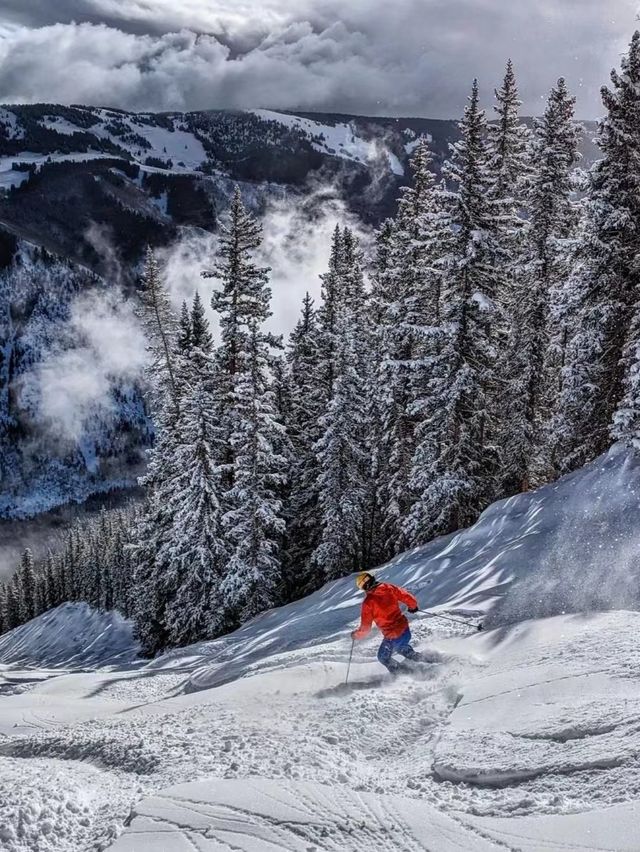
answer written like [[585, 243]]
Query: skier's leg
[[384, 655], [404, 647]]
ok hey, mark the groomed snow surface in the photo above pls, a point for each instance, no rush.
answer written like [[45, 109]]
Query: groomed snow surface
[[523, 737]]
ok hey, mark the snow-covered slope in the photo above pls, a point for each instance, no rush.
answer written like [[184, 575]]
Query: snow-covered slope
[[72, 636], [340, 139], [569, 547], [523, 737]]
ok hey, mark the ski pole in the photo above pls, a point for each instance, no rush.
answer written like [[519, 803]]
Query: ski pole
[[346, 680], [454, 620]]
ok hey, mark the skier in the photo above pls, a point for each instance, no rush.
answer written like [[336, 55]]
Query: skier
[[382, 605]]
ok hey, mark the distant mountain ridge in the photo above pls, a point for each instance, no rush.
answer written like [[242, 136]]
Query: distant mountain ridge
[[144, 175]]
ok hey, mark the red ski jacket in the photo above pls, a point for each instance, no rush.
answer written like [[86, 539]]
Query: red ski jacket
[[382, 606]]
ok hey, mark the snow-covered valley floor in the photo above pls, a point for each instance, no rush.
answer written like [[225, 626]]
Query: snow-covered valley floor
[[523, 737]]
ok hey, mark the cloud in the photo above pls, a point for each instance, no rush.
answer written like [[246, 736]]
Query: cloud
[[328, 55], [101, 345]]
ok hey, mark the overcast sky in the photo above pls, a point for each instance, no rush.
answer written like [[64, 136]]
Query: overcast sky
[[383, 57]]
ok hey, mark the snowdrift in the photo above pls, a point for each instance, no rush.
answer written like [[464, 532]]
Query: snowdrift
[[71, 636], [572, 546]]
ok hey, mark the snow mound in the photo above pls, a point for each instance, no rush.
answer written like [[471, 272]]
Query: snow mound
[[559, 696], [572, 546], [71, 636]]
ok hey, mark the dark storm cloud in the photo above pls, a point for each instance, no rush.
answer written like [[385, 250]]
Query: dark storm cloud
[[369, 56]]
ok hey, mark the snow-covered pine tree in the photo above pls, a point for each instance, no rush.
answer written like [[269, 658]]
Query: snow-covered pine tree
[[600, 372], [254, 522], [407, 343], [195, 550], [41, 592], [13, 614], [239, 275], [509, 166], [341, 451], [307, 398], [508, 158], [380, 299], [121, 568], [3, 608], [330, 296], [253, 469], [455, 465], [163, 332], [149, 534], [201, 339], [152, 577], [626, 418], [341, 489], [51, 595], [28, 587], [538, 324], [184, 333]]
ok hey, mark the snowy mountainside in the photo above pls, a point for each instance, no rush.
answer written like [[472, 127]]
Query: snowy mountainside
[[522, 737], [72, 636], [144, 175], [51, 357]]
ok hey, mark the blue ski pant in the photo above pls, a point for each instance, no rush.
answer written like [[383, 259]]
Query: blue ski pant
[[401, 645]]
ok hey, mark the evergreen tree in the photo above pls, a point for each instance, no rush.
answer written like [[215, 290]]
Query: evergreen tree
[[303, 427], [51, 596], [241, 301], [601, 353], [455, 464], [3, 608], [253, 469], [195, 552], [184, 333], [150, 596], [327, 315], [201, 338], [380, 300], [14, 612], [162, 332], [508, 168], [538, 325], [254, 524], [341, 490], [407, 347], [28, 587], [508, 159], [152, 577]]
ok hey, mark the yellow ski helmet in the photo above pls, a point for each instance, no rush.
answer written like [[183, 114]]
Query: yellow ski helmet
[[364, 581]]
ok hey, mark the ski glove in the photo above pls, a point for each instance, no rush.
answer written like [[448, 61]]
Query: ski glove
[[413, 610]]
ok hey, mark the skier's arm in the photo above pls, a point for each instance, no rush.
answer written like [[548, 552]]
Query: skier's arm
[[406, 597], [366, 620]]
